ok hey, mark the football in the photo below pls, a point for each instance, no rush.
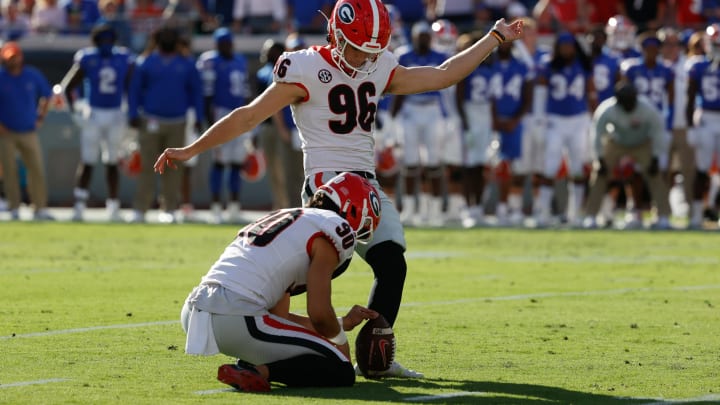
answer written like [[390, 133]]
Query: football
[[375, 346]]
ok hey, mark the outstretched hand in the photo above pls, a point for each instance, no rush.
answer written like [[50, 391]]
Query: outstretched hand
[[510, 31], [168, 158], [356, 315]]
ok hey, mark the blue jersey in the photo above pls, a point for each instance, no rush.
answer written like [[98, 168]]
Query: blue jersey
[[567, 87], [104, 77], [224, 80], [511, 77], [650, 82], [480, 85], [19, 98], [165, 87], [605, 72], [432, 58], [708, 82]]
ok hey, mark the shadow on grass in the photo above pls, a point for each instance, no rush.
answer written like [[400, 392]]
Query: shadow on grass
[[462, 392]]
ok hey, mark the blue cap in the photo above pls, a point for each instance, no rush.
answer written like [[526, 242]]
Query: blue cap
[[222, 34], [565, 38], [650, 41]]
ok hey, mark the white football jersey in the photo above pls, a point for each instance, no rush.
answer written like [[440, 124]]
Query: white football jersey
[[337, 120], [271, 255]]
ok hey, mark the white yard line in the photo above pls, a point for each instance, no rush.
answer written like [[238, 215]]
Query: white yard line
[[654, 401], [89, 329], [216, 391], [447, 395], [517, 297], [36, 382]]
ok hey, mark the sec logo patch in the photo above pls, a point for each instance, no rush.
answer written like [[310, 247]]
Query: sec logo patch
[[324, 76]]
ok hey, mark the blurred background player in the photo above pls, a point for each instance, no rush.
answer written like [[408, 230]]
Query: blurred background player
[[23, 106], [288, 133], [606, 74], [656, 82], [103, 70], [621, 37], [532, 158], [473, 96], [267, 134], [703, 118], [225, 83], [163, 86], [421, 118], [511, 100], [444, 40], [187, 209], [627, 125], [681, 159], [567, 76]]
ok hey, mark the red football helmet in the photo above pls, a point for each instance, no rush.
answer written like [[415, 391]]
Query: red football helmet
[[358, 202], [620, 32], [365, 25], [445, 36], [386, 163], [254, 166]]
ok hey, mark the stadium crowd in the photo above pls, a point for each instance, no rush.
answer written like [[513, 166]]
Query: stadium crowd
[[516, 143]]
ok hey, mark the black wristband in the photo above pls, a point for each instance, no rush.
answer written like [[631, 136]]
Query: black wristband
[[499, 34]]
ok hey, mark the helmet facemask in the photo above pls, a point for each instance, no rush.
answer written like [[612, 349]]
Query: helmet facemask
[[338, 56]]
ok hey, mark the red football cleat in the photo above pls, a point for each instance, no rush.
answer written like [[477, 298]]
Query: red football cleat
[[243, 377]]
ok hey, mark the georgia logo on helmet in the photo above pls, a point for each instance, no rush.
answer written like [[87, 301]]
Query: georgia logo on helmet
[[362, 24], [357, 201]]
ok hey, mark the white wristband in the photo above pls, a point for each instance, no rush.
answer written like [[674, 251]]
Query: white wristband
[[341, 337]]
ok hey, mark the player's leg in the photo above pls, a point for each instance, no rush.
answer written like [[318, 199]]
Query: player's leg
[[610, 155], [11, 181], [553, 158], [577, 144], [89, 152], [30, 152], [113, 129], [411, 169], [278, 351], [238, 154], [172, 136], [700, 138], [643, 155]]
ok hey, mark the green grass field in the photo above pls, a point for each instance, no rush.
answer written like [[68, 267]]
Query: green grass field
[[90, 315]]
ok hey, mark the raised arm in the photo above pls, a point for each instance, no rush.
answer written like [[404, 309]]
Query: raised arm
[[412, 80], [239, 121]]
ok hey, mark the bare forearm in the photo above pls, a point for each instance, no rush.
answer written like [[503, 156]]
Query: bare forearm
[[238, 122], [461, 65]]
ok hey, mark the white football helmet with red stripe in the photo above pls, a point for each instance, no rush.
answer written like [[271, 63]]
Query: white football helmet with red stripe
[[445, 36], [620, 32], [358, 202], [712, 44], [364, 25]]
